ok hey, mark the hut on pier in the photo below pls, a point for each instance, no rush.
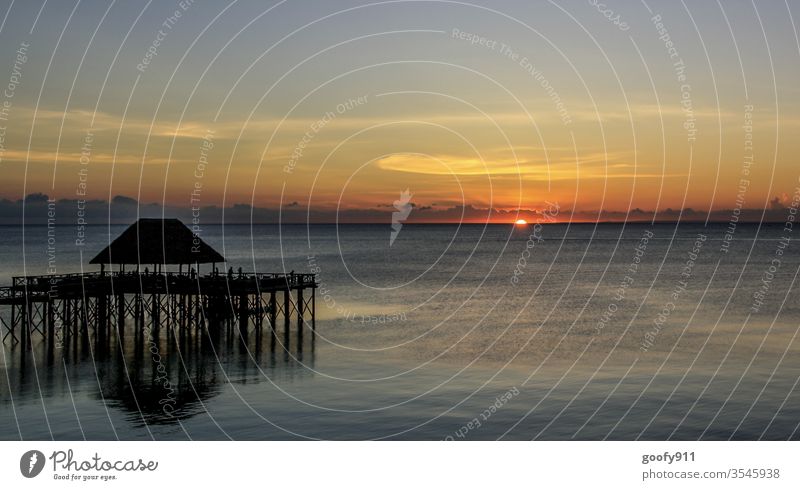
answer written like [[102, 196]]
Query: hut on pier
[[158, 242]]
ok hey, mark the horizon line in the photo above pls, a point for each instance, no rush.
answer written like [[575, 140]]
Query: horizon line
[[474, 223]]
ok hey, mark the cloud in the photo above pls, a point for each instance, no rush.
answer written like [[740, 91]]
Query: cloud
[[125, 210], [563, 166], [37, 156]]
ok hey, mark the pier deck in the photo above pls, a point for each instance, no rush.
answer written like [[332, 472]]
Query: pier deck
[[62, 304]]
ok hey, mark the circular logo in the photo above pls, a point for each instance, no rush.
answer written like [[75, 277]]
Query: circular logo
[[31, 463]]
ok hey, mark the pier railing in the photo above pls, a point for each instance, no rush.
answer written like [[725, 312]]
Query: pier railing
[[128, 281]]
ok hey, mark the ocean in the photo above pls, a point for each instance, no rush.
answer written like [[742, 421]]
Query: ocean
[[470, 332]]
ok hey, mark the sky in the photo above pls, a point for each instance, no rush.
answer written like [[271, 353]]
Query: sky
[[339, 107]]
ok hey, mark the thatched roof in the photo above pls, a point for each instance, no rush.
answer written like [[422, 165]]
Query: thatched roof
[[158, 241]]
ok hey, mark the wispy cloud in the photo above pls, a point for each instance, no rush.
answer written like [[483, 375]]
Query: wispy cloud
[[561, 165], [49, 157]]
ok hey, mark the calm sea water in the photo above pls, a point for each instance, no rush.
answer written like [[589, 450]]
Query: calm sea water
[[470, 332]]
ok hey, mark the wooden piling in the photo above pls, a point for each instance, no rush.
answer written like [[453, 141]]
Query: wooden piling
[[300, 309]]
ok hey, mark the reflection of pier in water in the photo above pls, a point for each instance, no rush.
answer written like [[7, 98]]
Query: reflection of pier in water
[[156, 376], [154, 339]]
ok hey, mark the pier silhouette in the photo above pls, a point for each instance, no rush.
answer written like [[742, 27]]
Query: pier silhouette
[[185, 301]]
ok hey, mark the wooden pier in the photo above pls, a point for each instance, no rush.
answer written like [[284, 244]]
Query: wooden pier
[[59, 306]]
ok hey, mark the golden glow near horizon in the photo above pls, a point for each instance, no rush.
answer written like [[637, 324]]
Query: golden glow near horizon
[[465, 105]]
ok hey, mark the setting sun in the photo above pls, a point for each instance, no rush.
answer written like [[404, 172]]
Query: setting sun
[[520, 222]]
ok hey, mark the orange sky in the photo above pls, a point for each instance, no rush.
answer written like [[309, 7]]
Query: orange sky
[[561, 106]]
